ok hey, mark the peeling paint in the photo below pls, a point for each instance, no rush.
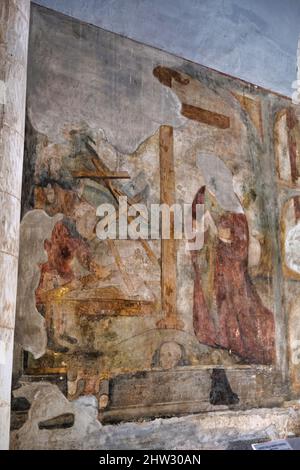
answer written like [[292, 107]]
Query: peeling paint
[[36, 227]]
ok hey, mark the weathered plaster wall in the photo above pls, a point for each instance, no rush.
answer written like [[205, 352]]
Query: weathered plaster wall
[[253, 40], [148, 328]]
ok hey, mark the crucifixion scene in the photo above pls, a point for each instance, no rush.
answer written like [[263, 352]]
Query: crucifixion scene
[[153, 263]]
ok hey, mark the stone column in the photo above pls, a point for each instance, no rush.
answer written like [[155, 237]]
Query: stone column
[[14, 29]]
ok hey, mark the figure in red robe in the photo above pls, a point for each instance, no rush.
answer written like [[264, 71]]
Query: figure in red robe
[[241, 324]]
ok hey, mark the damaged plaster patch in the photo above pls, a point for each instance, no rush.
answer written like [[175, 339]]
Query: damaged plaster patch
[[219, 181], [292, 248], [50, 406], [107, 83], [35, 228]]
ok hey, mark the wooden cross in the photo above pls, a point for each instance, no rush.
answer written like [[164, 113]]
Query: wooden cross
[[102, 172], [168, 247]]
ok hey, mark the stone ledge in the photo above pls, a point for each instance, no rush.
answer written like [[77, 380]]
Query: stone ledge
[[200, 431], [146, 394]]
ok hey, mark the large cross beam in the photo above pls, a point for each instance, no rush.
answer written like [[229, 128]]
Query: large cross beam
[[168, 247], [166, 76]]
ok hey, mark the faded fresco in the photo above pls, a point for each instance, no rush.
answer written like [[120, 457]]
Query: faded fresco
[[147, 325]]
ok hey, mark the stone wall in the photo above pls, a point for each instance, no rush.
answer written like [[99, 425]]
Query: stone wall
[[219, 430]]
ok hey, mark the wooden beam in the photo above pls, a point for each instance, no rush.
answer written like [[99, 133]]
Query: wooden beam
[[100, 167], [168, 247], [108, 176], [204, 116], [98, 302], [165, 76], [114, 307]]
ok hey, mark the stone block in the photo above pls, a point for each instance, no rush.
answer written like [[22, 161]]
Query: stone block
[[8, 291], [6, 353], [188, 390], [5, 424], [9, 224], [11, 161]]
